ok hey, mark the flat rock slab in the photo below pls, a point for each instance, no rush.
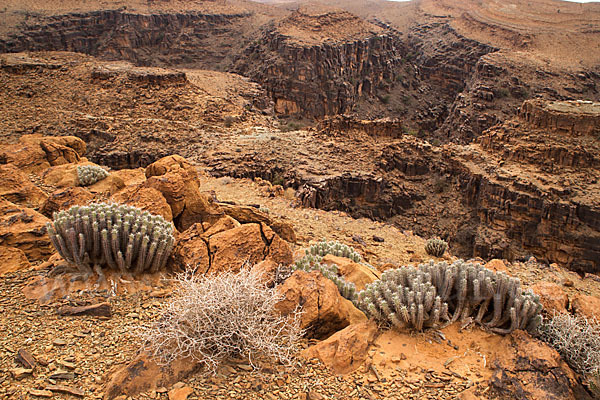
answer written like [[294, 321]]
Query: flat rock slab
[[65, 389], [96, 310]]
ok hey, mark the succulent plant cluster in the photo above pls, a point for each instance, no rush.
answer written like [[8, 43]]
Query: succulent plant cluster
[[436, 247], [310, 263], [335, 248], [434, 294], [117, 236], [90, 174], [313, 261]]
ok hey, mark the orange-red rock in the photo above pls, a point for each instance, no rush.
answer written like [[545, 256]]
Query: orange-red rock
[[143, 374], [552, 296], [65, 175], [496, 265], [266, 269], [587, 306], [24, 229], [65, 198], [359, 274], [346, 350], [188, 205], [191, 250], [248, 243], [172, 163], [324, 310], [16, 187], [223, 224], [144, 198], [131, 176], [35, 153], [180, 393], [533, 370], [13, 259], [247, 214]]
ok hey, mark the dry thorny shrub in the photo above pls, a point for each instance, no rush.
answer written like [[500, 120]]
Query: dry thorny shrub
[[577, 340], [211, 318]]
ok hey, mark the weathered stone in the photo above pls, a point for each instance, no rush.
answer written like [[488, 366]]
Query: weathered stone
[[64, 175], [180, 393], [20, 373], [532, 369], [266, 269], [142, 374], [191, 250], [131, 177], [24, 229], [144, 198], [249, 243], [41, 393], [496, 265], [173, 163], [223, 224], [66, 389], [16, 187], [324, 310], [35, 153], [188, 205], [346, 350], [96, 310], [587, 306], [247, 215], [359, 274], [552, 296], [63, 199], [13, 259], [25, 359]]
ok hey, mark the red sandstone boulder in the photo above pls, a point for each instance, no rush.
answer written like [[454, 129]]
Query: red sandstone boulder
[[65, 175], [191, 250], [144, 374], [24, 229], [173, 163], [63, 199], [248, 243], [587, 306], [247, 215], [552, 296], [144, 198], [346, 350], [35, 153], [188, 205], [359, 274], [13, 259], [131, 177], [532, 370], [324, 310], [16, 187]]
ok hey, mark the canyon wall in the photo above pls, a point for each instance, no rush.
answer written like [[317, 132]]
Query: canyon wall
[[184, 39], [324, 79]]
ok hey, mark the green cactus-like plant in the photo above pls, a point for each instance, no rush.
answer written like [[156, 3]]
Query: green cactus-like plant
[[313, 262], [112, 235], [338, 249], [436, 247], [90, 174], [437, 293]]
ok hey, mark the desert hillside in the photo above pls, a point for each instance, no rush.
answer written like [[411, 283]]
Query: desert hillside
[[362, 199]]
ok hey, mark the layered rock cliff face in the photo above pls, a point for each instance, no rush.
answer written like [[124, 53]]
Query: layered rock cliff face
[[498, 85], [184, 39], [324, 78], [534, 185]]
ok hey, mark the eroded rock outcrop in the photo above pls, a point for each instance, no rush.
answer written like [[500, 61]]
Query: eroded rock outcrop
[[324, 310], [312, 66]]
